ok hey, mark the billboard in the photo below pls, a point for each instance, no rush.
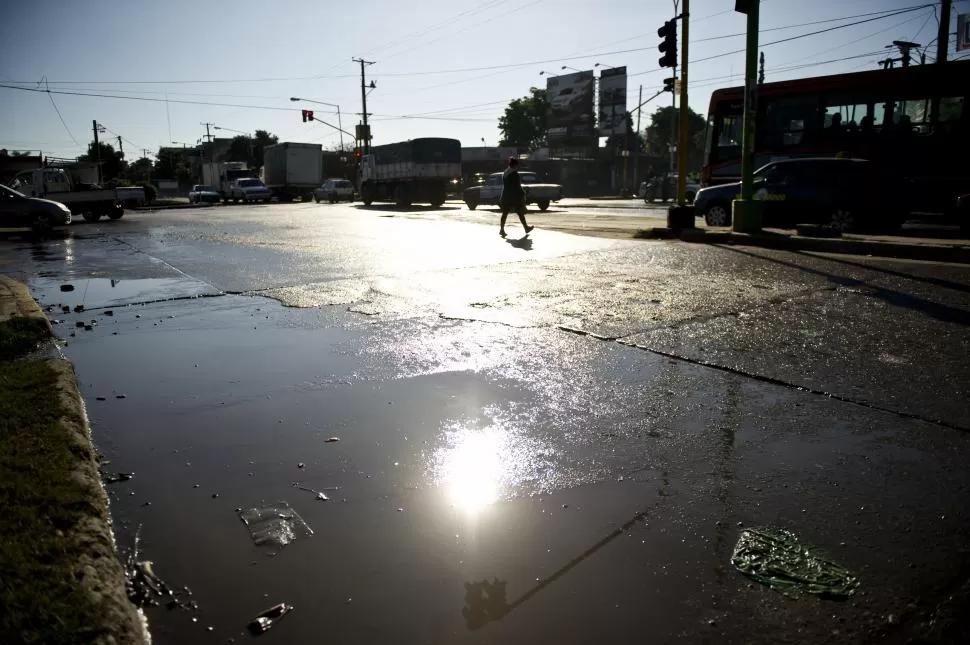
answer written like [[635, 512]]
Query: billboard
[[612, 103], [570, 118], [963, 31]]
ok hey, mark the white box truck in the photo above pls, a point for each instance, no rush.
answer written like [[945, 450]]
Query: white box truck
[[221, 174], [292, 170]]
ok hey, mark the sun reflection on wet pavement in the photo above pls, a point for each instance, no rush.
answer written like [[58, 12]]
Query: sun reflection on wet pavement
[[471, 467]]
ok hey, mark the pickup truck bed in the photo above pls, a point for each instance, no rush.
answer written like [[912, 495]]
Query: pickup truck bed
[[490, 192]]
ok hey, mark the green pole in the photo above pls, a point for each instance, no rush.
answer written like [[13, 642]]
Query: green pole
[[747, 211]]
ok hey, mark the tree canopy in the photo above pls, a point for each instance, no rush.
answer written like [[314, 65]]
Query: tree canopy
[[250, 149], [112, 162], [524, 123], [661, 132]]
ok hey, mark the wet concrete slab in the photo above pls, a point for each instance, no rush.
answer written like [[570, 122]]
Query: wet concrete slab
[[466, 454], [602, 484]]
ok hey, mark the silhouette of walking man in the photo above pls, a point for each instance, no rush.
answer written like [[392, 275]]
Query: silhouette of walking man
[[513, 196]]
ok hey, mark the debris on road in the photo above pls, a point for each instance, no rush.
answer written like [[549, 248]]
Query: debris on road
[[67, 287], [274, 525], [332, 440], [775, 557], [114, 478], [319, 494], [268, 618]]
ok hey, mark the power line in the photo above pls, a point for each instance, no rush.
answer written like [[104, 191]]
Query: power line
[[69, 133], [803, 24]]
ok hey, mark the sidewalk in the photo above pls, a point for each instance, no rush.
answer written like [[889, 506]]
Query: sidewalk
[[63, 582], [889, 246]]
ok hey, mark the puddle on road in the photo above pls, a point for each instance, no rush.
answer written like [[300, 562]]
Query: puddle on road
[[104, 292], [93, 293]]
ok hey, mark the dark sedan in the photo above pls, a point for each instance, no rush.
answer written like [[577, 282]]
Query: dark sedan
[[839, 192]]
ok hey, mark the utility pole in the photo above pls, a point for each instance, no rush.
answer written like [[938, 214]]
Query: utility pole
[[363, 101], [904, 50], [761, 68], [943, 35], [746, 212], [121, 148], [636, 158], [682, 146], [97, 146]]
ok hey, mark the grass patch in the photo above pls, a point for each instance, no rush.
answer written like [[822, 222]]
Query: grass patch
[[20, 335], [42, 599]]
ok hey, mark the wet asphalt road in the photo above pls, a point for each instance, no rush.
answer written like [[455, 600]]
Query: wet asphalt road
[[588, 421]]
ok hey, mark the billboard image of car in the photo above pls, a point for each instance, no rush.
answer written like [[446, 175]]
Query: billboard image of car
[[612, 103], [571, 101]]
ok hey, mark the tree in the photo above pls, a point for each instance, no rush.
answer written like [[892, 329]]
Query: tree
[[630, 140], [173, 165], [140, 170], [659, 134], [524, 123], [112, 163], [250, 149]]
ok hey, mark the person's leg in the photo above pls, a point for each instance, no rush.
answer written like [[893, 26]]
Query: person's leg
[[501, 227], [525, 224]]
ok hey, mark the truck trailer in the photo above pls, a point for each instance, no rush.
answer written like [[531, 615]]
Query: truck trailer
[[292, 170], [419, 170], [221, 174]]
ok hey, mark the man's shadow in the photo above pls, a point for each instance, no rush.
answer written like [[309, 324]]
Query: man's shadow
[[524, 243]]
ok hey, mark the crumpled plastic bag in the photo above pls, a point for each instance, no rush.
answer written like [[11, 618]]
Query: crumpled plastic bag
[[274, 525], [775, 557]]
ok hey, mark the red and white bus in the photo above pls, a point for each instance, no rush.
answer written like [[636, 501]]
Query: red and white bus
[[912, 122]]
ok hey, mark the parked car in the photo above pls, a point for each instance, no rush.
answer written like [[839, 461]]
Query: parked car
[[844, 193], [536, 192], [202, 194], [653, 189], [249, 190], [334, 190], [18, 211]]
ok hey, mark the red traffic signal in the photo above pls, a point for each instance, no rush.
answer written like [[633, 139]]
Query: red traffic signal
[[307, 115], [357, 154]]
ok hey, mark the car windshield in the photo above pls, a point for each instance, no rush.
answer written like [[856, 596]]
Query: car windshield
[[207, 189], [250, 183], [10, 192], [528, 178], [342, 184]]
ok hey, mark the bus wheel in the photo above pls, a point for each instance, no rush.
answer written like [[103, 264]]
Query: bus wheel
[[718, 214], [90, 216], [841, 219]]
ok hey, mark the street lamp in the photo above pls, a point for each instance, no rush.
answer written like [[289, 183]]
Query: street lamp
[[568, 67], [340, 125], [216, 127], [605, 66]]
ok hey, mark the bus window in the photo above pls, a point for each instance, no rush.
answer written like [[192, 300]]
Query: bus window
[[915, 112], [951, 109], [789, 121], [726, 136], [850, 113]]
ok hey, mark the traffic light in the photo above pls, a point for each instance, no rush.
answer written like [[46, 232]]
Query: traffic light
[[307, 115], [668, 46], [669, 84]]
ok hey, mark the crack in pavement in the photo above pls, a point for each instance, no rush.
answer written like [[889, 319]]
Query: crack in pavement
[[794, 386]]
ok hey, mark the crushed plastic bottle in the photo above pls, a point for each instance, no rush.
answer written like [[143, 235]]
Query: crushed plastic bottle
[[274, 525], [268, 618]]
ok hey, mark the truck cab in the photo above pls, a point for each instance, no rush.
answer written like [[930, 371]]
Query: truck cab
[[39, 182]]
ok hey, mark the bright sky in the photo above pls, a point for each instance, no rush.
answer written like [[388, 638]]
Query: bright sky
[[455, 62]]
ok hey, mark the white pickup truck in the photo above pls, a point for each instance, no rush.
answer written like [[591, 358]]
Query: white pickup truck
[[59, 185], [536, 192]]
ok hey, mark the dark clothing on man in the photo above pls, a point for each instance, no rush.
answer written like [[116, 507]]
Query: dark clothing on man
[[513, 195]]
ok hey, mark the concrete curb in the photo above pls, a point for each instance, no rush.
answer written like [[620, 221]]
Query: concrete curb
[[98, 571], [16, 301], [849, 246]]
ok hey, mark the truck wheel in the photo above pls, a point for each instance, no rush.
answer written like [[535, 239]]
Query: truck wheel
[[316, 199], [437, 203], [91, 217], [471, 205], [116, 213], [543, 204]]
